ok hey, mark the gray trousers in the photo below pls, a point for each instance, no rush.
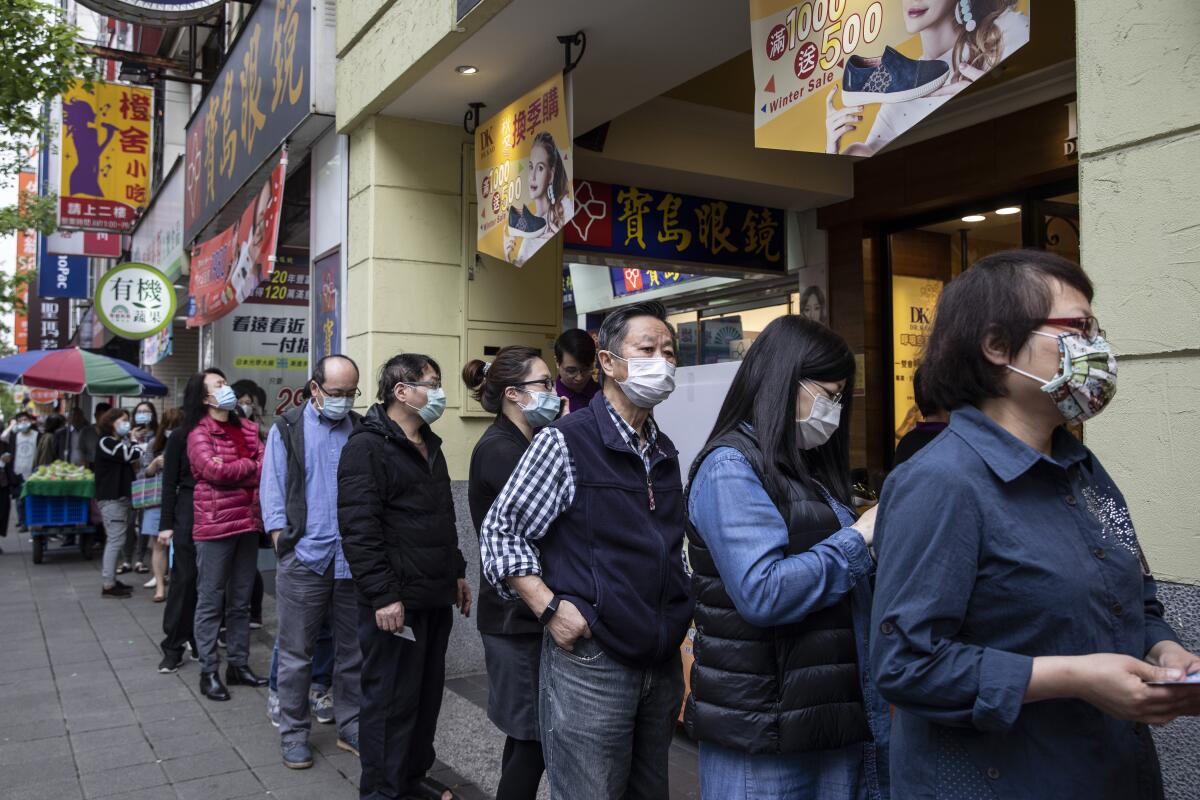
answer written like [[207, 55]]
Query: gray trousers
[[233, 561], [303, 599], [116, 515]]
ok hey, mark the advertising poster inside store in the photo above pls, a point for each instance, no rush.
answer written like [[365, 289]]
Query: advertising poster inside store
[[849, 76], [327, 305], [523, 174], [104, 174], [228, 268], [266, 339], [913, 304]]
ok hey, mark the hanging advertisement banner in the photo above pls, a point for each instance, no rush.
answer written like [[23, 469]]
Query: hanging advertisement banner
[[156, 12], [134, 300], [326, 306], [26, 264], [158, 239], [104, 178], [84, 243], [260, 96], [653, 224], [849, 76], [61, 275], [158, 346], [913, 304], [226, 269], [523, 174]]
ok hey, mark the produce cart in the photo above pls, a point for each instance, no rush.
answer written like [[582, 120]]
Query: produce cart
[[57, 502]]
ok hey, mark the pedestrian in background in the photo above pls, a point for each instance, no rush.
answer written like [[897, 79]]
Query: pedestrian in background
[[145, 427], [299, 492], [225, 454], [575, 356], [588, 531], [153, 461], [76, 433], [50, 443], [933, 421], [1018, 625], [116, 458], [781, 573], [23, 440], [515, 386], [396, 515]]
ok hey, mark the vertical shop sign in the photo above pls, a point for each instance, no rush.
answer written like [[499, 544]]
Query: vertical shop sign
[[26, 265], [849, 76], [913, 304], [523, 174], [49, 320], [104, 176], [257, 100], [135, 300], [229, 267], [326, 305], [61, 275]]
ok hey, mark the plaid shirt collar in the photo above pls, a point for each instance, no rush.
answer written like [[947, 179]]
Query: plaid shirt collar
[[631, 437]]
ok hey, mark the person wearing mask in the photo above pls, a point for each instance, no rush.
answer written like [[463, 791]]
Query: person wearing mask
[[933, 421], [516, 386], [575, 356], [90, 435], [49, 446], [176, 526], [251, 402], [396, 515], [145, 426], [781, 574], [312, 582], [7, 479], [153, 460], [116, 457], [225, 454], [23, 440], [588, 531], [1019, 633]]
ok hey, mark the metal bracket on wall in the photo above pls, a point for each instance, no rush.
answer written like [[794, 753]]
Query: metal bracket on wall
[[578, 38], [471, 118]]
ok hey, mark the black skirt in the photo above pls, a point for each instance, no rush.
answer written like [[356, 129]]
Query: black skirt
[[513, 662]]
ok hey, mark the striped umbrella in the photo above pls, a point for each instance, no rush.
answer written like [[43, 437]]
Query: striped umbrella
[[74, 370]]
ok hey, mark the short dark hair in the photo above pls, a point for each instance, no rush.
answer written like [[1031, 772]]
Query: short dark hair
[[402, 368], [107, 423], [1004, 298], [24, 414], [54, 422], [578, 344], [318, 373], [487, 382], [616, 325], [100, 409], [248, 387]]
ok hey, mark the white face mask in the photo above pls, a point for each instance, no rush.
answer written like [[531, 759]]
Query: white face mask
[[822, 421], [649, 382]]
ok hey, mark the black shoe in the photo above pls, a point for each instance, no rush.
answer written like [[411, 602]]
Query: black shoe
[[121, 584], [243, 676], [524, 222], [211, 686], [116, 590], [171, 662]]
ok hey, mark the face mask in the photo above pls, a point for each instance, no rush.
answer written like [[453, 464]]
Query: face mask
[[335, 409], [226, 399], [142, 418], [247, 410], [435, 405], [822, 422], [1087, 378], [22, 427], [650, 380], [544, 409], [122, 428]]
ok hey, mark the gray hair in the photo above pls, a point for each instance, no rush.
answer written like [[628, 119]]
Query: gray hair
[[616, 325]]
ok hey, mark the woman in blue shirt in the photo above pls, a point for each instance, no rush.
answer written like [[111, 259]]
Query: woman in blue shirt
[[779, 702], [1017, 628]]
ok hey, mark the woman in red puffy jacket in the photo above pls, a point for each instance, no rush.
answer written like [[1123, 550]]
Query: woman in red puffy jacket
[[226, 456]]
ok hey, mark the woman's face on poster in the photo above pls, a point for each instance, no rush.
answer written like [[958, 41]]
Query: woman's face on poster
[[922, 14], [813, 309], [541, 173]]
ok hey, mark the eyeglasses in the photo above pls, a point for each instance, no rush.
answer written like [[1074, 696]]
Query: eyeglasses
[[1088, 326], [575, 372], [834, 398], [545, 383], [352, 394], [433, 384]]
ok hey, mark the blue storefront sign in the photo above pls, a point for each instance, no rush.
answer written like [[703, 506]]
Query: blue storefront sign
[[666, 226], [61, 276], [629, 281]]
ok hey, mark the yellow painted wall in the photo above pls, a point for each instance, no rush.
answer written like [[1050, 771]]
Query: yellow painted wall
[[1139, 159]]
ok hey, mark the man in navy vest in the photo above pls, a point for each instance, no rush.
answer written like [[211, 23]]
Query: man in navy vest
[[589, 533]]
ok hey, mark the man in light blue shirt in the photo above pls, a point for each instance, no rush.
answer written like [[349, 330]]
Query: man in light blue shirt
[[298, 493]]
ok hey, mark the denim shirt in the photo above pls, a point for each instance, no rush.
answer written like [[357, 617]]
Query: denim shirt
[[770, 588], [990, 554]]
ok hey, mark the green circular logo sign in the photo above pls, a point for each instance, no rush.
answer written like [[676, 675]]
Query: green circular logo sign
[[135, 300]]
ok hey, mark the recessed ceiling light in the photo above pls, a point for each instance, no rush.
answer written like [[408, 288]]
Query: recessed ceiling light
[[974, 218], [1004, 212], [466, 69]]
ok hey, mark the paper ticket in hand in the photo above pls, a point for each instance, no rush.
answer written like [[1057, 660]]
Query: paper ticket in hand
[[405, 633]]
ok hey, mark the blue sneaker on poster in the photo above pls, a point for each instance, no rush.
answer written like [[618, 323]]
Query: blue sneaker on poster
[[890, 78]]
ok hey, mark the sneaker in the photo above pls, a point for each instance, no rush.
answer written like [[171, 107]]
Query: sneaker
[[320, 700], [221, 639], [171, 662], [191, 652], [255, 623], [123, 568], [524, 222], [150, 584], [349, 743], [890, 78], [273, 707], [116, 590], [296, 755], [140, 568]]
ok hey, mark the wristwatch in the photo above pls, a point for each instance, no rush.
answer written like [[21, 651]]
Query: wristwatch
[[551, 610]]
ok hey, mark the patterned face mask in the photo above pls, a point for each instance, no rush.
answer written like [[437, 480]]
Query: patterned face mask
[[1087, 379]]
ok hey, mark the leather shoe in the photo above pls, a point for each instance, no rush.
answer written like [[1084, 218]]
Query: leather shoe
[[211, 686], [243, 676]]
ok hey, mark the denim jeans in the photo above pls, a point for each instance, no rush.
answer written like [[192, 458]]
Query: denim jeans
[[606, 728], [727, 774], [322, 660]]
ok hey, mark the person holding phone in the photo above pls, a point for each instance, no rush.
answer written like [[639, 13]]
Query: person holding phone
[[145, 425], [1017, 627]]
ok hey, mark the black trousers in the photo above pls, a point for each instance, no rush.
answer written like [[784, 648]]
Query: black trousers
[[402, 684], [180, 609], [6, 502]]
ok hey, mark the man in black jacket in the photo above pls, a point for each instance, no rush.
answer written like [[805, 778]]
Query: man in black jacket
[[400, 538]]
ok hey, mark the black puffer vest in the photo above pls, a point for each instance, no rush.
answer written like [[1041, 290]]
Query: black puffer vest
[[784, 689]]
